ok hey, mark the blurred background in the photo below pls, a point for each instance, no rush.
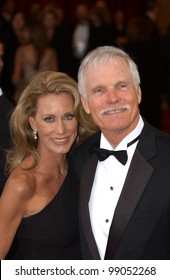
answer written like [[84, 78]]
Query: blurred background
[[55, 35], [131, 7]]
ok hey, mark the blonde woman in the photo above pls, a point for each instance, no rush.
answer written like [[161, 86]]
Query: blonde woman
[[39, 204]]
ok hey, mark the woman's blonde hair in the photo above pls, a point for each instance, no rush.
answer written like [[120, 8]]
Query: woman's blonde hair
[[47, 82]]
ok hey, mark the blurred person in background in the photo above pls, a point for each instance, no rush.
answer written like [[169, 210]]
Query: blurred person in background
[[13, 39], [48, 18], [57, 32], [35, 56], [152, 12], [146, 56], [119, 25], [6, 107], [79, 41], [7, 9]]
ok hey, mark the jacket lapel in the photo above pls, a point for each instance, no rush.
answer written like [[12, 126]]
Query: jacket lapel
[[137, 178], [86, 186], [139, 173]]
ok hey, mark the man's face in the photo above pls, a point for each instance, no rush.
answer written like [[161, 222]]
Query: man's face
[[112, 99]]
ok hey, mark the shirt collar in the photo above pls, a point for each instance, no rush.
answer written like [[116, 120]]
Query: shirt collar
[[123, 144]]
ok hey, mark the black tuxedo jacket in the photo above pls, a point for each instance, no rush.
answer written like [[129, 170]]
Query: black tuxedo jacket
[[140, 227]]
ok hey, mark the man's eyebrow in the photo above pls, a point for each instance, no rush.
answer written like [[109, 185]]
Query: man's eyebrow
[[98, 86]]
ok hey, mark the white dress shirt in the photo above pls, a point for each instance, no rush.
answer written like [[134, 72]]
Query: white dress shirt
[[108, 183]]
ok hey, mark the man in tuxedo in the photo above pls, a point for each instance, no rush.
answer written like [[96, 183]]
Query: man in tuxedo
[[124, 169], [6, 106]]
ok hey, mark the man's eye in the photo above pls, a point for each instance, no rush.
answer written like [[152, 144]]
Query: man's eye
[[122, 86], [68, 117], [99, 90], [49, 119]]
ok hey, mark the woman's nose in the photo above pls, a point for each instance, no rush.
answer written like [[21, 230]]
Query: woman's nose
[[60, 128]]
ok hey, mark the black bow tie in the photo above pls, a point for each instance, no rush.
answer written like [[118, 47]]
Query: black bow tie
[[121, 156]]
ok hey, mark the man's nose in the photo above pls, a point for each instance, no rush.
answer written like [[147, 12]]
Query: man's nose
[[112, 95]]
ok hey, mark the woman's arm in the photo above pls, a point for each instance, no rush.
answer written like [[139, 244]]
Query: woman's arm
[[13, 204]]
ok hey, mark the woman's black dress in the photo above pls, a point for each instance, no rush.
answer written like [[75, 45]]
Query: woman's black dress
[[53, 233]]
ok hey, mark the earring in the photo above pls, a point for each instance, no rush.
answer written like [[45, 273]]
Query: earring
[[35, 133]]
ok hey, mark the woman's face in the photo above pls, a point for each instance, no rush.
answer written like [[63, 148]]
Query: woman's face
[[55, 123]]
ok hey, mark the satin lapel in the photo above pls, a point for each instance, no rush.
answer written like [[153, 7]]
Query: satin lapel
[[86, 186], [139, 173]]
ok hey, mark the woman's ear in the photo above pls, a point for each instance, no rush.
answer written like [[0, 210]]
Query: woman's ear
[[32, 122]]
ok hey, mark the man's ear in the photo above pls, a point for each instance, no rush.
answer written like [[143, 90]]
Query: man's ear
[[85, 104], [139, 95]]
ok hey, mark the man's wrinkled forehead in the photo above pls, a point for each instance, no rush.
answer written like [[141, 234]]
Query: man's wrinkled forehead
[[102, 63]]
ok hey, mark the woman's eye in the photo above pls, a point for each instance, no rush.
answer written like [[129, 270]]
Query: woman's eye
[[68, 117], [49, 119]]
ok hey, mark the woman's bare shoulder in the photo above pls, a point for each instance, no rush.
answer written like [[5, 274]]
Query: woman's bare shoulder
[[21, 183]]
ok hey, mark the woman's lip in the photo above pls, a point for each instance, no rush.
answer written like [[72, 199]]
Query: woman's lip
[[60, 140]]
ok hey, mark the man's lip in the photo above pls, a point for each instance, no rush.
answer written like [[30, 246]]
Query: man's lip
[[113, 111]]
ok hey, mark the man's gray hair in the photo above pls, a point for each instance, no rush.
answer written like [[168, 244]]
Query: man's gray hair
[[102, 55]]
